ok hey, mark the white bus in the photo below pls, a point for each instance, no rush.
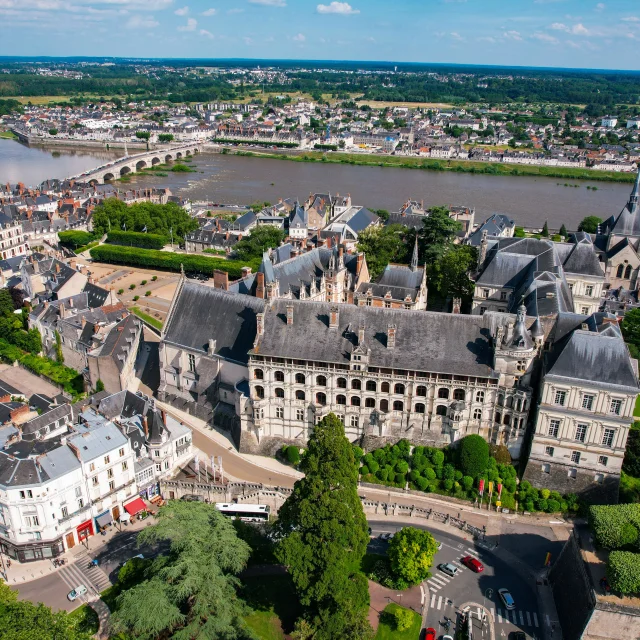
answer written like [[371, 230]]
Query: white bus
[[246, 512]]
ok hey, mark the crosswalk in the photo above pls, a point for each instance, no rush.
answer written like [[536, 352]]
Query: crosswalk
[[94, 578], [439, 579], [504, 616]]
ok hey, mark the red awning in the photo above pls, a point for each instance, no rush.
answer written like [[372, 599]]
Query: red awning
[[135, 506]]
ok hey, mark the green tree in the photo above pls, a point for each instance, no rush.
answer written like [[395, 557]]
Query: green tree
[[325, 537], [382, 245], [545, 230], [99, 385], [59, 354], [590, 224], [563, 231], [143, 135], [631, 464], [437, 233], [53, 132], [631, 328], [262, 238], [191, 591], [450, 273], [411, 554], [403, 618], [165, 137], [473, 455]]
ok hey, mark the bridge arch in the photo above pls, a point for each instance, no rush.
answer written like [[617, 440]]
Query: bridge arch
[[168, 158], [188, 152], [108, 176], [126, 169], [141, 164], [179, 154], [155, 161]]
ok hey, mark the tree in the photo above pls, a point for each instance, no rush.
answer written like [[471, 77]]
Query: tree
[[191, 591], [630, 328], [143, 135], [563, 231], [403, 618], [99, 385], [53, 132], [411, 554], [545, 230], [437, 233], [262, 238], [382, 245], [473, 455], [590, 224], [450, 274], [325, 537], [631, 464], [165, 137]]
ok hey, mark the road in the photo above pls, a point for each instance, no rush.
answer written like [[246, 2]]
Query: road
[[446, 595]]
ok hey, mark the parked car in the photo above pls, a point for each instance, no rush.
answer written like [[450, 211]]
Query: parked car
[[448, 568], [76, 593], [507, 599], [471, 563], [517, 635], [428, 634]]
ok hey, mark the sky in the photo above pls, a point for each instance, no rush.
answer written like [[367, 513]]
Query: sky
[[554, 33]]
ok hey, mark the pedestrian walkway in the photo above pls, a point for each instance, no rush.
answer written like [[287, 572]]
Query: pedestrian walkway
[[517, 617]]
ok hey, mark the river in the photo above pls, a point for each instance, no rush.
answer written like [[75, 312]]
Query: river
[[244, 180]]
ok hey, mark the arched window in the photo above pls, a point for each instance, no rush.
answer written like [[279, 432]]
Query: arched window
[[279, 392], [627, 272], [300, 395], [259, 392], [441, 410], [509, 402], [342, 383], [370, 403], [500, 400], [399, 388], [355, 401], [507, 420], [258, 374], [443, 393], [498, 418], [421, 391], [384, 406], [477, 414], [279, 376], [341, 400], [384, 387], [479, 396], [420, 408], [300, 378], [321, 398], [459, 394], [321, 381], [519, 404], [356, 384], [398, 405], [371, 386], [620, 271]]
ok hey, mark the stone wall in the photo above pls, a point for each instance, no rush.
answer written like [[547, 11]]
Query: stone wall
[[583, 484], [611, 622]]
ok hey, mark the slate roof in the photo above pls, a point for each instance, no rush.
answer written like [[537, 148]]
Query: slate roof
[[96, 296], [628, 221], [412, 221], [494, 225], [97, 441], [119, 341], [425, 341], [200, 312]]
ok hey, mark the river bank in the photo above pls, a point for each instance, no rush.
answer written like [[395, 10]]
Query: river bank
[[429, 164]]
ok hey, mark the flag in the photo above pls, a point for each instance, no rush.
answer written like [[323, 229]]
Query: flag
[[145, 229], [124, 226], [481, 486]]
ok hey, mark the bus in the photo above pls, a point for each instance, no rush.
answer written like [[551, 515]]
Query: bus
[[246, 512]]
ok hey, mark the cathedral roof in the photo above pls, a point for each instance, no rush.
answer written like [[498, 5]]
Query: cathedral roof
[[628, 222]]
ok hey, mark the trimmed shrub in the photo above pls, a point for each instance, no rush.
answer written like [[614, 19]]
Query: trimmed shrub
[[293, 455], [135, 239], [136, 298], [467, 483], [553, 506], [400, 479], [143, 283], [402, 466], [448, 485], [132, 287], [372, 464], [120, 292], [473, 455], [421, 483], [147, 293], [364, 470], [402, 618], [437, 457], [608, 523], [624, 572], [75, 239]]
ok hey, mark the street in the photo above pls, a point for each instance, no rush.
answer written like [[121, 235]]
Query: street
[[449, 596]]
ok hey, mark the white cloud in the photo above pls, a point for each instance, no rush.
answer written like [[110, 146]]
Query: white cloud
[[270, 3], [206, 34], [559, 26], [456, 36], [248, 40], [182, 12], [545, 37], [573, 45], [191, 25], [512, 35], [600, 6], [299, 38], [342, 8], [141, 22], [631, 19], [577, 29], [210, 12]]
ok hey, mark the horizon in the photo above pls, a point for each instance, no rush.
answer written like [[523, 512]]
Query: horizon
[[545, 34]]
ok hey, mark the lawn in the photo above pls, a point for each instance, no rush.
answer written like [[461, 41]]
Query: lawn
[[388, 631], [154, 322], [275, 605], [85, 619], [636, 411]]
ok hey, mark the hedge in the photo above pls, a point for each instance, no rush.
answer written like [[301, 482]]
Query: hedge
[[135, 239], [612, 524], [75, 239], [624, 572], [136, 257]]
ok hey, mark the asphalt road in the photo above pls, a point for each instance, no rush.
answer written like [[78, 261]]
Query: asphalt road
[[446, 595]]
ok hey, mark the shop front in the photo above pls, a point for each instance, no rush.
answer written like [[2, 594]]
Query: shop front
[[85, 530], [103, 520], [32, 551]]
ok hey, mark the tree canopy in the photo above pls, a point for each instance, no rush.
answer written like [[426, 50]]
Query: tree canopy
[[438, 231], [411, 554], [590, 224], [382, 245], [325, 537], [473, 455], [262, 238], [190, 592], [450, 274]]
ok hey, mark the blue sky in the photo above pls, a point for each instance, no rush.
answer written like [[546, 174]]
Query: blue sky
[[568, 33]]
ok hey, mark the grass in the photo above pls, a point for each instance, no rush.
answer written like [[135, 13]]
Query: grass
[[274, 603], [629, 488], [636, 411], [8, 135], [388, 631], [463, 166], [85, 620], [154, 322]]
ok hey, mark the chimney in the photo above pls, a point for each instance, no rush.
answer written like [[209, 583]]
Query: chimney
[[260, 324], [246, 271], [220, 279], [584, 326], [334, 318], [145, 426], [83, 321], [484, 243], [62, 310], [359, 262], [457, 305], [289, 314], [361, 334], [212, 347], [163, 413], [57, 267], [260, 285], [391, 336]]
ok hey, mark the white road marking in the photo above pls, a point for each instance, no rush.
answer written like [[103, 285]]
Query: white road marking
[[421, 595], [439, 580], [528, 619], [499, 616], [433, 600], [435, 590], [521, 617], [548, 619], [472, 552], [439, 603], [461, 566], [460, 546], [479, 613], [535, 619], [466, 609], [493, 613]]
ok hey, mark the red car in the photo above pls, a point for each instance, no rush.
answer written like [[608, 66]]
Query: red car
[[471, 563], [428, 634]]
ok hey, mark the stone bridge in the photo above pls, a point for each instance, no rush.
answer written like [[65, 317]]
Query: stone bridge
[[130, 164]]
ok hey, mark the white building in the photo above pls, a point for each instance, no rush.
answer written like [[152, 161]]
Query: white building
[[609, 121]]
